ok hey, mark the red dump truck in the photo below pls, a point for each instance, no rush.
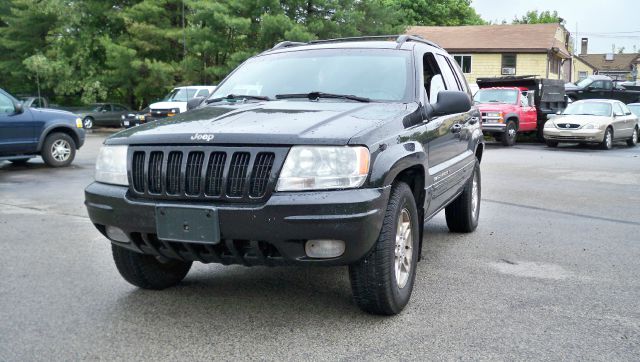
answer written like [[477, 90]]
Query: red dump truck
[[517, 104]]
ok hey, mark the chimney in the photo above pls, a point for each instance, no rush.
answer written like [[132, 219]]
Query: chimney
[[583, 46]]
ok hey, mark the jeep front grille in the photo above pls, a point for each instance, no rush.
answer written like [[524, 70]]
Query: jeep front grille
[[230, 174]]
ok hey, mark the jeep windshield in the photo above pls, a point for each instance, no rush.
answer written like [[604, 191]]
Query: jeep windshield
[[378, 75], [496, 96], [589, 109]]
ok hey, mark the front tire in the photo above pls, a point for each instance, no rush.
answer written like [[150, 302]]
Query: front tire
[[87, 123], [510, 134], [463, 213], [146, 271], [607, 141], [58, 150], [382, 281], [633, 141]]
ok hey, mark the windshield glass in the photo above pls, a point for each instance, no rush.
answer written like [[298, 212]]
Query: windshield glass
[[589, 108], [584, 83], [180, 95], [635, 109], [382, 75], [496, 96]]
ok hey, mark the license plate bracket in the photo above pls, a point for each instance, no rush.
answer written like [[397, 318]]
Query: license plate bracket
[[188, 224]]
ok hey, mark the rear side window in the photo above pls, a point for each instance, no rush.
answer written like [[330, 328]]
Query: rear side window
[[617, 109]]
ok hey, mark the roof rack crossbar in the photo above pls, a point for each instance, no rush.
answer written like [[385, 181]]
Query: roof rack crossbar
[[354, 38], [286, 44], [405, 38]]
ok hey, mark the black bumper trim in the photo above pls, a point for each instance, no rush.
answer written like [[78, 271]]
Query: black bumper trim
[[271, 233]]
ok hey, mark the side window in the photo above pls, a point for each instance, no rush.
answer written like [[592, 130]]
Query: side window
[[202, 93], [432, 77], [598, 84], [449, 78], [617, 109], [118, 108], [625, 109], [457, 72], [524, 101], [6, 105]]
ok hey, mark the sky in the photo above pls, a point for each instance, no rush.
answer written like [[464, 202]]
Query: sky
[[618, 23]]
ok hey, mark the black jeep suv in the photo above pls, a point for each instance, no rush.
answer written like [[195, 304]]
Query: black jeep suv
[[324, 153]]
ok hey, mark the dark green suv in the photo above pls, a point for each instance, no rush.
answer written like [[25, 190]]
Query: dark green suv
[[324, 153]]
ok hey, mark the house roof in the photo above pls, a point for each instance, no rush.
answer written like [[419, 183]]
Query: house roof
[[517, 38], [620, 62]]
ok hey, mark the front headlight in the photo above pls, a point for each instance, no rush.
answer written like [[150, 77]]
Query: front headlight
[[140, 117], [549, 124], [590, 126], [111, 166], [494, 114], [323, 168]]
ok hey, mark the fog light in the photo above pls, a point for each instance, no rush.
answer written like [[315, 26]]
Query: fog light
[[324, 248], [116, 234]]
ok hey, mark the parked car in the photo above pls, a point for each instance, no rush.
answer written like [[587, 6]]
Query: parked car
[[327, 165], [176, 101], [593, 121], [35, 102], [517, 104], [102, 114], [634, 108], [601, 87], [27, 132], [133, 119]]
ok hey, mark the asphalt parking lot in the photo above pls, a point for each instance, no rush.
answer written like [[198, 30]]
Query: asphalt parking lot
[[551, 273]]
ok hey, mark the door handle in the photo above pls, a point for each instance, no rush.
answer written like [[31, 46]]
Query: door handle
[[474, 120], [456, 128]]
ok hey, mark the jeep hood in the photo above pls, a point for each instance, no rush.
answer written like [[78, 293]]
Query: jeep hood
[[285, 122]]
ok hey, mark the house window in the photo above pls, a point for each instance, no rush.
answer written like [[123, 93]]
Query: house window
[[582, 75], [464, 61], [508, 64], [554, 67]]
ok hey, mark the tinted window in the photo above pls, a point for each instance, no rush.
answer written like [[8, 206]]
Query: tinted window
[[118, 108], [432, 77], [6, 105]]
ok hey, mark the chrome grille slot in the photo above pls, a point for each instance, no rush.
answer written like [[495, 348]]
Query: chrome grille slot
[[260, 174], [155, 172], [173, 172], [238, 173], [138, 171], [215, 169], [194, 173]]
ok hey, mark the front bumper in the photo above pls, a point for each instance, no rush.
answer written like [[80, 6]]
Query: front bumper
[[573, 135], [273, 233], [493, 127]]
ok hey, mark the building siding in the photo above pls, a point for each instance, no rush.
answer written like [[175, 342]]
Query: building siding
[[579, 66], [489, 65]]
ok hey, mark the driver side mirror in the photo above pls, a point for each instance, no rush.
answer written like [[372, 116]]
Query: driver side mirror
[[194, 103], [18, 108], [451, 102]]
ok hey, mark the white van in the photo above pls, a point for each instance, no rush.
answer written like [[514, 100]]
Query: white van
[[176, 101]]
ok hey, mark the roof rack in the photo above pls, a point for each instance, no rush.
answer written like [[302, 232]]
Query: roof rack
[[400, 39], [405, 38]]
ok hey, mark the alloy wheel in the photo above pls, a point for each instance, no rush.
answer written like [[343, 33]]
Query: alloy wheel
[[61, 150], [404, 249]]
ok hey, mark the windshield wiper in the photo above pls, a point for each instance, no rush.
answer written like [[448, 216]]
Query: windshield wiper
[[233, 97], [318, 95]]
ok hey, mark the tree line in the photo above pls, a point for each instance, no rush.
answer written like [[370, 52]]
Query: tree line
[[134, 51]]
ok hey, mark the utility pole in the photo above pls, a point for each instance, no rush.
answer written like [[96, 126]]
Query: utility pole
[[184, 36]]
